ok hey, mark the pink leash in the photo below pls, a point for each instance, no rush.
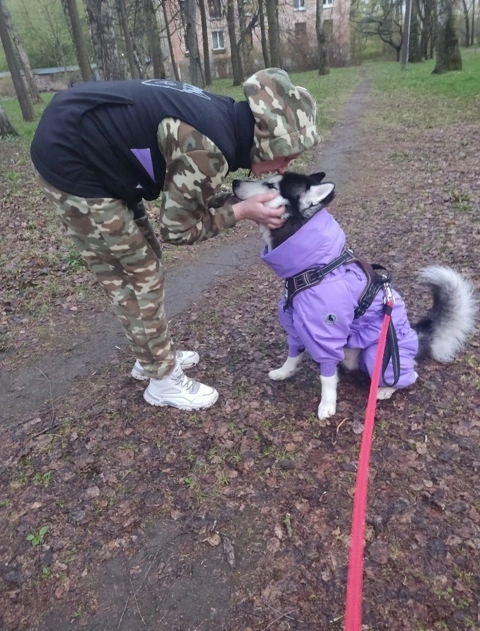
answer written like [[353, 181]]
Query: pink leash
[[353, 615]]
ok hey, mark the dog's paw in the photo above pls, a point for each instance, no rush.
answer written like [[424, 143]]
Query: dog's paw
[[326, 410], [280, 374], [385, 393], [288, 369]]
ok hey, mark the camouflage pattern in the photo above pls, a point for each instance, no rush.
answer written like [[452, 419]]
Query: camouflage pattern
[[126, 266], [285, 115], [192, 208], [146, 228]]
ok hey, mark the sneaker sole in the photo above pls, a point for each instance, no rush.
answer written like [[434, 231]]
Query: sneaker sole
[[141, 377], [149, 399]]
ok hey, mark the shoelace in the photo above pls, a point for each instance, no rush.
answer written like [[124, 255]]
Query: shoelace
[[184, 381]]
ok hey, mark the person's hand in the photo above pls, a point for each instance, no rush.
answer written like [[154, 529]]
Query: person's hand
[[256, 208]]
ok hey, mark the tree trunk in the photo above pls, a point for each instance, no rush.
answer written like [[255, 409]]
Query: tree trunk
[[176, 74], [322, 52], [101, 21], [415, 53], [273, 32], [428, 28], [20, 89], [447, 52], [123, 16], [263, 35], [237, 70], [472, 30], [6, 128], [405, 50], [17, 43], [206, 47], [153, 36], [466, 17], [70, 9], [243, 47], [195, 66]]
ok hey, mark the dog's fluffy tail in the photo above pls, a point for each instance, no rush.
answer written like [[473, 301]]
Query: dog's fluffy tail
[[450, 321]]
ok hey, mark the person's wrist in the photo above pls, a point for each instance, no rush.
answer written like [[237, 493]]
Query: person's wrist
[[239, 210]]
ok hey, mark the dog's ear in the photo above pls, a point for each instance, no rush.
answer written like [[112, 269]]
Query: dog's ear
[[317, 197], [317, 177]]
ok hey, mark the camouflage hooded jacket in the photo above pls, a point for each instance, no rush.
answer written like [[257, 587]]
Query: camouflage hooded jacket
[[132, 139]]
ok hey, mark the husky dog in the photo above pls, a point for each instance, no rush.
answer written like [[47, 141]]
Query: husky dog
[[332, 318]]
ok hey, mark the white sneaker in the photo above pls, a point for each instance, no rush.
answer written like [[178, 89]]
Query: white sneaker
[[186, 359], [178, 391]]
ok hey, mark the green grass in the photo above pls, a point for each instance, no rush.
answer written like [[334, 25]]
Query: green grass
[[418, 79], [14, 115]]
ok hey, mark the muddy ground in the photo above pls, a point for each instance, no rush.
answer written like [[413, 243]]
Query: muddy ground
[[116, 515]]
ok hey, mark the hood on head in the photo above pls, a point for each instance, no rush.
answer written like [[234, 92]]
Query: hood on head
[[285, 115]]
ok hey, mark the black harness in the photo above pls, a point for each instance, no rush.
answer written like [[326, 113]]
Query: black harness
[[378, 277]]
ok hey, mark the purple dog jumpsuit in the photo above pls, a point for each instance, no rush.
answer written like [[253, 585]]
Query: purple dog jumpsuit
[[321, 319]]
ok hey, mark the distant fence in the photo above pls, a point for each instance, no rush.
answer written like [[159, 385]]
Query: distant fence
[[47, 79]]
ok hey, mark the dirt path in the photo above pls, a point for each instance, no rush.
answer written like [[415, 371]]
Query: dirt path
[[25, 391]]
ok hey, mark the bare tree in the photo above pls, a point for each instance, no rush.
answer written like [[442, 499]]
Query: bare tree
[[472, 30], [129, 50], [70, 9], [206, 47], [384, 19], [405, 51], [322, 51], [153, 37], [263, 34], [273, 32], [237, 69], [169, 39], [195, 66], [447, 55], [427, 14], [244, 43], [100, 17], [466, 17], [22, 54], [6, 127], [18, 83], [414, 50]]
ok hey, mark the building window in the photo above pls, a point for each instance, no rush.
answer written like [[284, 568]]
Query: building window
[[328, 3], [300, 29], [328, 30], [218, 40], [215, 8], [299, 5]]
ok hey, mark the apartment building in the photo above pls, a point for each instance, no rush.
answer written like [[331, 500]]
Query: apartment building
[[297, 35]]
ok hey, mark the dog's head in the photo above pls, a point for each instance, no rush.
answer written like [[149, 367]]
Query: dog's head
[[302, 195]]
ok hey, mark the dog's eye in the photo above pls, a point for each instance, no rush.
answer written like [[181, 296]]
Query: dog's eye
[[269, 185]]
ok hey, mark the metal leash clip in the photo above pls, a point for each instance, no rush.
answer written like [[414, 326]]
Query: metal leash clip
[[388, 297]]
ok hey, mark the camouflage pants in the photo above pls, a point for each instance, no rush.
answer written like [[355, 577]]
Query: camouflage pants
[[124, 256]]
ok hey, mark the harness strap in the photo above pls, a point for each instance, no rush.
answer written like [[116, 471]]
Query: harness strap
[[378, 277], [391, 350], [312, 276]]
